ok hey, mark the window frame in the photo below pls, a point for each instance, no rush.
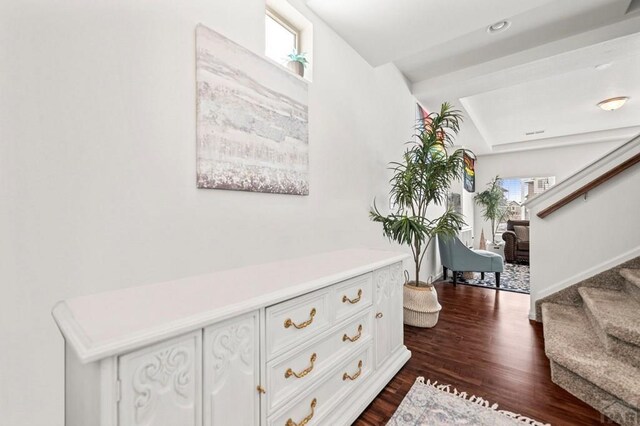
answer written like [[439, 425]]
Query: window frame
[[286, 25], [542, 183]]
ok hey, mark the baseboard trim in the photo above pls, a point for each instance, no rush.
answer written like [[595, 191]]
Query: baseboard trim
[[601, 267]]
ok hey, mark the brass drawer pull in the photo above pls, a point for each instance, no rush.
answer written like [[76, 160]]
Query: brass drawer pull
[[354, 338], [288, 322], [345, 376], [345, 299], [304, 372], [307, 419]]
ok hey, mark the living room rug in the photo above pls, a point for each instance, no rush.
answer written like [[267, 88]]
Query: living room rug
[[514, 278], [434, 404]]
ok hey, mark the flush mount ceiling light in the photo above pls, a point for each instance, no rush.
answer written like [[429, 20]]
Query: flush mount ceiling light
[[613, 104], [601, 67], [498, 27]]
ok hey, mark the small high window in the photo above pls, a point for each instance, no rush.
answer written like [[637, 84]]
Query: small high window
[[281, 38]]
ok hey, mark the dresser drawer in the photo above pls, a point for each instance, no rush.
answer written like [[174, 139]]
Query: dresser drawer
[[352, 296], [289, 375], [291, 323], [329, 391]]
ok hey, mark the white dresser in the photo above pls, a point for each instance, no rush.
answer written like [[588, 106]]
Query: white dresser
[[309, 341]]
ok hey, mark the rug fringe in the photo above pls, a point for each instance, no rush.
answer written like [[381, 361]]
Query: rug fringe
[[480, 401]]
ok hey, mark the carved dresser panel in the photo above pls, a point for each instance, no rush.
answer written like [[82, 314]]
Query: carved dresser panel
[[306, 341]]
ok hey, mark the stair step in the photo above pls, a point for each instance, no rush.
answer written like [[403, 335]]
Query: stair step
[[586, 391], [571, 342], [631, 275], [616, 320], [632, 282], [617, 314]]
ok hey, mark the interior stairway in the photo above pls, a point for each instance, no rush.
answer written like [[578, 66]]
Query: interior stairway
[[592, 339]]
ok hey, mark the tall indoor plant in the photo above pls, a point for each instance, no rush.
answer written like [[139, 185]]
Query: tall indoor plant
[[493, 204], [421, 180]]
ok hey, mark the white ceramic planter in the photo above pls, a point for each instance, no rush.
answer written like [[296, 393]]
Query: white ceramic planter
[[296, 67]]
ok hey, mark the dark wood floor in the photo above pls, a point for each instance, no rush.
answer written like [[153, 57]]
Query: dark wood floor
[[484, 344]]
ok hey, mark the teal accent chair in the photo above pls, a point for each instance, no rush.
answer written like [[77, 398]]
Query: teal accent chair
[[457, 257]]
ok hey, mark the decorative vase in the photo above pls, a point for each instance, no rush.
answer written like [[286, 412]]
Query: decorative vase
[[421, 307], [296, 67]]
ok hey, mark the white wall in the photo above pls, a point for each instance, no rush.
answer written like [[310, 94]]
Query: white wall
[[587, 236], [466, 200], [559, 162], [97, 166]]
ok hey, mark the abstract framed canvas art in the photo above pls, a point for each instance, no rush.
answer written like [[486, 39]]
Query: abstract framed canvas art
[[252, 120]]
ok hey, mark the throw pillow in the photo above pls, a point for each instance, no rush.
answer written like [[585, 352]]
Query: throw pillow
[[522, 232]]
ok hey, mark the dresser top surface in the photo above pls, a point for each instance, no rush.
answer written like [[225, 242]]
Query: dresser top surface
[[110, 323]]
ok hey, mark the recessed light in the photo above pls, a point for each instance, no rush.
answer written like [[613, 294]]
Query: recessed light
[[498, 27], [613, 104], [604, 66]]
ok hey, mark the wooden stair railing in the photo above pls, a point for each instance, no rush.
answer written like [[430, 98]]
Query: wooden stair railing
[[591, 185]]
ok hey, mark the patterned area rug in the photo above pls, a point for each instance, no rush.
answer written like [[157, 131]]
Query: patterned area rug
[[433, 404], [514, 278]]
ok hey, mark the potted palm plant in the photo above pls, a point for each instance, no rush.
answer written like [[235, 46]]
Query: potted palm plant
[[494, 205], [420, 181]]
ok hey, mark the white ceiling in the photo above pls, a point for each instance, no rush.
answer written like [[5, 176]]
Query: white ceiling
[[564, 103], [383, 31], [538, 75], [553, 21]]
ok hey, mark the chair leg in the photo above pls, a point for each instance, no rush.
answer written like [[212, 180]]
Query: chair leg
[[482, 276], [455, 278], [444, 272], [497, 279]]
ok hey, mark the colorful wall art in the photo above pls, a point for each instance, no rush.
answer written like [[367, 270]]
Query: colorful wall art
[[469, 172], [252, 120], [422, 116], [423, 121]]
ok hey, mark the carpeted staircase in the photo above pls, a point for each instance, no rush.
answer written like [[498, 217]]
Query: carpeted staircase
[[592, 339]]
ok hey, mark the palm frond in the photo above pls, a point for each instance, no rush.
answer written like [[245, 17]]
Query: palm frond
[[422, 179]]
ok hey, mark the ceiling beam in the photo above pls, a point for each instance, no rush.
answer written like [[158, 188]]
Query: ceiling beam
[[523, 66]]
